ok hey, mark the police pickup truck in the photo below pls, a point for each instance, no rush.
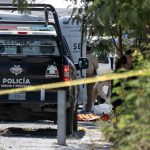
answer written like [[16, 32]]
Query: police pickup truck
[[33, 52]]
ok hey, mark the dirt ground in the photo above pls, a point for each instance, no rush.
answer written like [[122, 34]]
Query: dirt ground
[[43, 136]]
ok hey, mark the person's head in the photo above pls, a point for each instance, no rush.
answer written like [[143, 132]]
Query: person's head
[[128, 52], [121, 62], [124, 62], [89, 49], [129, 58], [129, 55]]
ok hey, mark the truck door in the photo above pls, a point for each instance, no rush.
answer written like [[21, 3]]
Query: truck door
[[27, 60], [72, 34]]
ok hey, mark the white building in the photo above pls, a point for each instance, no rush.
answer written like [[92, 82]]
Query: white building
[[60, 11]]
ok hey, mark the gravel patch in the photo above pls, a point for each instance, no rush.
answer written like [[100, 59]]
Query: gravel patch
[[43, 136]]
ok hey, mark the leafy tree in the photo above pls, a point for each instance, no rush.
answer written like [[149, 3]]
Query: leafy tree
[[22, 4], [116, 18], [129, 127]]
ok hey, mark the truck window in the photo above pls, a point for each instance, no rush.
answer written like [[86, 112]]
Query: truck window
[[29, 45], [2, 48], [67, 50]]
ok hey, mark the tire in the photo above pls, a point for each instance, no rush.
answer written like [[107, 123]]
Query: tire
[[71, 117], [69, 121], [75, 122], [18, 114]]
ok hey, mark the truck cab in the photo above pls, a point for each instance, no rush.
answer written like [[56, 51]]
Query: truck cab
[[33, 52]]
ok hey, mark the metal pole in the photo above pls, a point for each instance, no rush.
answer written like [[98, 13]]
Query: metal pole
[[61, 118]]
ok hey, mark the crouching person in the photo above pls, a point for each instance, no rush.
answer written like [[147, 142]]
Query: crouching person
[[99, 94]]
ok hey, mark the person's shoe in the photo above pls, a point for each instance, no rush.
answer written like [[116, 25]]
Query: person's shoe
[[90, 112], [86, 112], [82, 111]]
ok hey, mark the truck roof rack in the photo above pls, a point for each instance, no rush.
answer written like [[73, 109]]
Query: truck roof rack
[[46, 8], [31, 7]]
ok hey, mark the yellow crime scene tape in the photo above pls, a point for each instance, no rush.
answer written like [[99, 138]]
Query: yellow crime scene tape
[[112, 76]]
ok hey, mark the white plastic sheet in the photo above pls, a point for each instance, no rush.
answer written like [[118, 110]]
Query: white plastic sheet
[[102, 109]]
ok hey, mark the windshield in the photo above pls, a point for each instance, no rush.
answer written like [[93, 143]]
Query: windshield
[[29, 45]]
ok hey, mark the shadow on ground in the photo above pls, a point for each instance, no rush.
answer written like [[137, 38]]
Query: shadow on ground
[[88, 124], [46, 132], [37, 133], [24, 132]]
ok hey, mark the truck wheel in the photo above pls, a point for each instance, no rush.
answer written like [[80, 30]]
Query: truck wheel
[[69, 120], [75, 122], [18, 114]]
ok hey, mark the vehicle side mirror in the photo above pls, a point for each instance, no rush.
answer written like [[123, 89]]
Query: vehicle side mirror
[[83, 63]]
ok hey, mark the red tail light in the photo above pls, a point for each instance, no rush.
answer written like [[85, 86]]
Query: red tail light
[[66, 73], [23, 33]]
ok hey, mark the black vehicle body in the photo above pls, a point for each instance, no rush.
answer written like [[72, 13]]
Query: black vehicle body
[[21, 65]]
